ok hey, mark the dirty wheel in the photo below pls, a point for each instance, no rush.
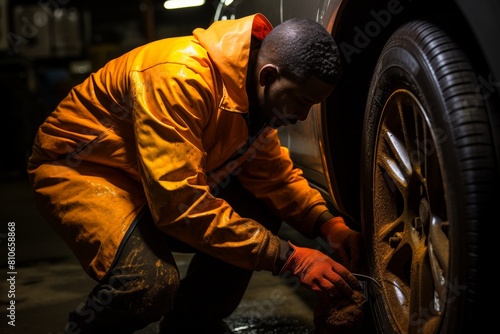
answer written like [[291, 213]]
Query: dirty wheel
[[429, 176]]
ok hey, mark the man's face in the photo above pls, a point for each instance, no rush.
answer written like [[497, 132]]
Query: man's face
[[285, 101]]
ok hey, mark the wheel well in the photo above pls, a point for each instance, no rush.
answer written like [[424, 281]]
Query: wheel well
[[361, 33]]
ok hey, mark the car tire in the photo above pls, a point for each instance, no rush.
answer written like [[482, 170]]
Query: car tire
[[429, 174]]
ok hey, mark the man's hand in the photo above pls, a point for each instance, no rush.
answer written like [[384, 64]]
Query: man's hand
[[319, 272], [346, 243]]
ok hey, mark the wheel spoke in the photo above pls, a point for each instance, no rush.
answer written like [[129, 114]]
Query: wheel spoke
[[394, 172], [423, 315], [439, 254], [399, 152]]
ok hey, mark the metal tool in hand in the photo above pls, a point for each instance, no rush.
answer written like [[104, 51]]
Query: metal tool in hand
[[367, 278]]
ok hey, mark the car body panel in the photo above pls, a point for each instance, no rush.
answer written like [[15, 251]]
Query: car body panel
[[482, 16], [307, 154]]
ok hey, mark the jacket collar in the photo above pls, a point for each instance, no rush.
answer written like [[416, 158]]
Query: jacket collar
[[228, 45]]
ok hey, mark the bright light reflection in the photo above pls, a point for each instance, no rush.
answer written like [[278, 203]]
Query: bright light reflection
[[174, 4]]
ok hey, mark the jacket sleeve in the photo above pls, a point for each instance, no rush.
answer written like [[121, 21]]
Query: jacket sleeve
[[172, 104], [270, 175]]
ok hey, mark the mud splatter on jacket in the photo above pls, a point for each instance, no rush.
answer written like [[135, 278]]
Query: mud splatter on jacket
[[155, 127]]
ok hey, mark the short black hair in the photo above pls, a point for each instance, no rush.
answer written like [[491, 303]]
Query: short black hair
[[303, 47]]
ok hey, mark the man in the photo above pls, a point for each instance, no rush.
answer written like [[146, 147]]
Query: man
[[173, 147]]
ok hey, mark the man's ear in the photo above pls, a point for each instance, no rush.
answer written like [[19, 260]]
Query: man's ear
[[268, 74]]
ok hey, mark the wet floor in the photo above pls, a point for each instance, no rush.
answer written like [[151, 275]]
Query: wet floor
[[49, 282], [270, 325]]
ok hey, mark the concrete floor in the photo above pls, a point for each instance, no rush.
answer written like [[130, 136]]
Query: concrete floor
[[49, 282]]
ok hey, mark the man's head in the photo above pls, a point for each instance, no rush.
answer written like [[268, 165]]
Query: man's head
[[297, 66]]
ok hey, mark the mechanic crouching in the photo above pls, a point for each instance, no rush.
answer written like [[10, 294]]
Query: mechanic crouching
[[173, 147]]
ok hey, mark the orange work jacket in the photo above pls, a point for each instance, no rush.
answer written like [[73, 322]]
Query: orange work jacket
[[155, 127]]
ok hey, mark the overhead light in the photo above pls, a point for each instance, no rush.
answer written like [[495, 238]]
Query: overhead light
[[174, 4]]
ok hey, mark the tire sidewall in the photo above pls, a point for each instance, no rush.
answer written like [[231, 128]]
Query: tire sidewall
[[402, 65]]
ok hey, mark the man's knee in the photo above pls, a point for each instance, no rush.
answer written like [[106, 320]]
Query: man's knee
[[147, 293], [152, 295], [157, 296], [126, 302]]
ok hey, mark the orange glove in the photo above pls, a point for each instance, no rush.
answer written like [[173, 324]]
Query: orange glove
[[346, 243], [318, 272]]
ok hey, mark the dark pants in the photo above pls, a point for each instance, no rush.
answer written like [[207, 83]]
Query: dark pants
[[143, 285]]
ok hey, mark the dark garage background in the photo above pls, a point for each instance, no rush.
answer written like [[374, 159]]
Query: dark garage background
[[48, 46]]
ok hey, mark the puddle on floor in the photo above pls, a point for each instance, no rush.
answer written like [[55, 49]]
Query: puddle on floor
[[249, 325], [271, 325]]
